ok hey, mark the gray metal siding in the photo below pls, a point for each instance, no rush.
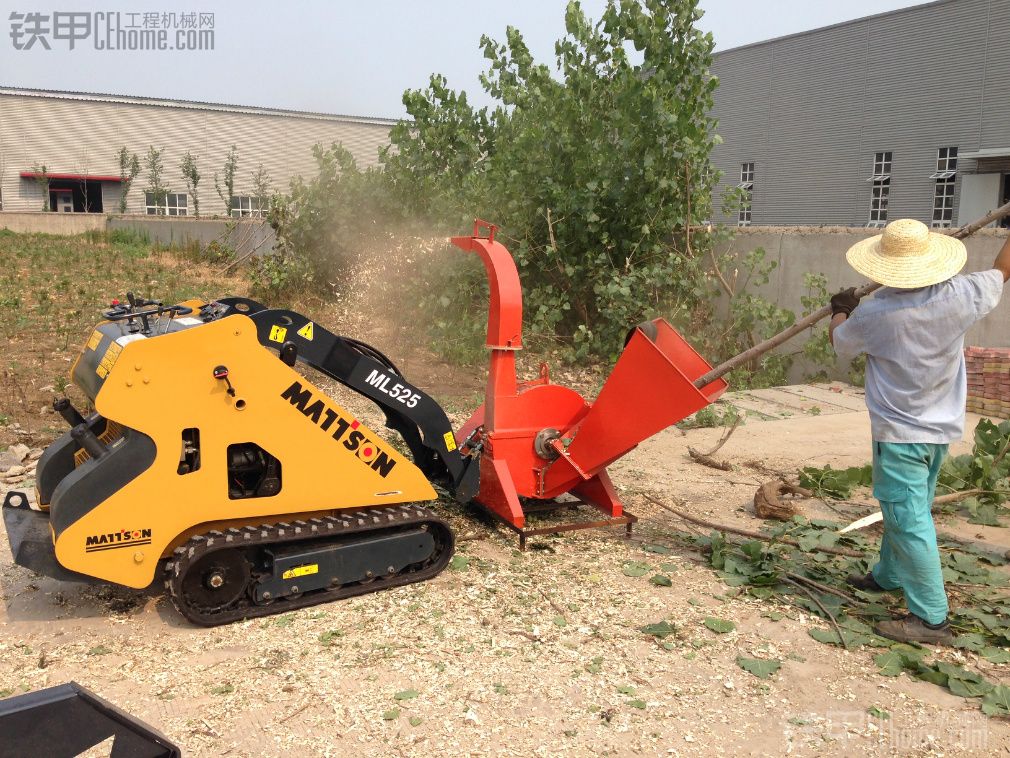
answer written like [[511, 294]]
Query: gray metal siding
[[84, 136], [908, 82]]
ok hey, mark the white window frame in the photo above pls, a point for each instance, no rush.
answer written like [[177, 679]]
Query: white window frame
[[747, 185], [880, 191], [176, 204], [944, 189], [247, 205]]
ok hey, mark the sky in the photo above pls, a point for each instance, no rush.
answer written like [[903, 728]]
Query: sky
[[334, 56]]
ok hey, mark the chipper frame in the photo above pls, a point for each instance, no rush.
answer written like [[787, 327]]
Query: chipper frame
[[213, 465]]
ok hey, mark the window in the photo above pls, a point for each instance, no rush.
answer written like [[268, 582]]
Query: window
[[175, 204], [747, 185], [244, 205], [943, 193], [881, 188]]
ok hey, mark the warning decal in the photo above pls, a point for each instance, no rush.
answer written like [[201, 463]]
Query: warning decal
[[291, 573], [108, 360], [450, 441], [278, 333], [306, 331], [96, 338]]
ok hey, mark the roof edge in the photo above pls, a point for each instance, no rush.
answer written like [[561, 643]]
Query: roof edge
[[191, 105], [831, 26]]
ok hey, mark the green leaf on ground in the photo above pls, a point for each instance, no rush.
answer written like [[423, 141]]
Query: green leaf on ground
[[637, 704], [459, 562], [559, 621], [416, 720], [636, 568], [222, 689], [327, 638], [997, 701], [99, 650], [626, 689], [661, 630], [890, 663], [970, 641], [995, 654], [719, 626], [391, 715], [830, 637], [761, 668], [406, 695], [928, 674], [962, 688], [658, 549], [661, 580], [669, 568], [877, 713]]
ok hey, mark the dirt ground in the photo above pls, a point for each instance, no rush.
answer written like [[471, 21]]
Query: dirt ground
[[535, 653]]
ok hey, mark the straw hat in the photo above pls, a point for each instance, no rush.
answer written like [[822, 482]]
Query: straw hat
[[907, 255]]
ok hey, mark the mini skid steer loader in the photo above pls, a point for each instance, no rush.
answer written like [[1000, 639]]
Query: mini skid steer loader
[[211, 463]]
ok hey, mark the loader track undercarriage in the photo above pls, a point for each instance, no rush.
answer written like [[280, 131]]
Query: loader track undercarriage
[[252, 571]]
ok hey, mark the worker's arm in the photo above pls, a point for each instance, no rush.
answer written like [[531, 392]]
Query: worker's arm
[[836, 320], [842, 304], [1002, 262]]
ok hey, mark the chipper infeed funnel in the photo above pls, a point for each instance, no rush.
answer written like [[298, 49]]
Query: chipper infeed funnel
[[539, 440]]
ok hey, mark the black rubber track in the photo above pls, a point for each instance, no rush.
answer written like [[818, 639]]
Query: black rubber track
[[365, 522]]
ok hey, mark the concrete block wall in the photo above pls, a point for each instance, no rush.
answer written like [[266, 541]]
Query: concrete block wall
[[245, 236], [40, 222]]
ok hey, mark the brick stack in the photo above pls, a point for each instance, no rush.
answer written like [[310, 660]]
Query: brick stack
[[988, 381]]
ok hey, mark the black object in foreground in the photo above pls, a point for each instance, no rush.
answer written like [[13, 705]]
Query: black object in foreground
[[66, 720]]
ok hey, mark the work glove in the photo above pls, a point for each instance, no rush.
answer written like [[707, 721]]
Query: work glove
[[844, 301]]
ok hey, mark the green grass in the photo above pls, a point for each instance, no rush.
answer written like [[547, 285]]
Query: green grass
[[59, 284]]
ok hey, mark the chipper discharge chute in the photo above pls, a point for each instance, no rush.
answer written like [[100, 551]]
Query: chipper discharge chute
[[212, 464]]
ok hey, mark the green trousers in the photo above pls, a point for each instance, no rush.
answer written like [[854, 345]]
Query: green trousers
[[904, 479]]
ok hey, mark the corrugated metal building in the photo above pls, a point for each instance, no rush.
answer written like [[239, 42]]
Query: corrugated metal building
[[78, 136], [900, 115]]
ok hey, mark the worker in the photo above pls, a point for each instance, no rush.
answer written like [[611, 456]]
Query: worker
[[912, 332]]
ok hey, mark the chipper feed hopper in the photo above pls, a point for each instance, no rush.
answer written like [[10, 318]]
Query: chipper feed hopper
[[211, 464]]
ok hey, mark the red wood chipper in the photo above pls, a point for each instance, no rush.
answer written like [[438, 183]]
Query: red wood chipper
[[538, 440]]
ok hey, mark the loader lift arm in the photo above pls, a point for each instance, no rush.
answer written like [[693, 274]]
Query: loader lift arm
[[415, 415]]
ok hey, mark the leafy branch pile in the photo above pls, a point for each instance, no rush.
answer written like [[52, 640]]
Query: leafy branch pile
[[985, 472], [814, 581], [981, 477]]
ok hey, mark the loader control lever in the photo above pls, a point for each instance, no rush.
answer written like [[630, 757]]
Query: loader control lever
[[139, 308], [221, 372]]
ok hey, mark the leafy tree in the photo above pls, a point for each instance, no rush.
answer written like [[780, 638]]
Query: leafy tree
[[227, 192], [42, 179], [129, 168], [595, 175], [261, 190], [191, 175], [155, 185]]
